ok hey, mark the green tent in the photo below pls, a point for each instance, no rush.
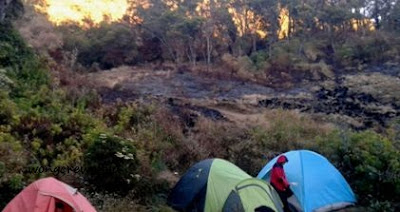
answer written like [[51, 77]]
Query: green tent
[[248, 194], [217, 185]]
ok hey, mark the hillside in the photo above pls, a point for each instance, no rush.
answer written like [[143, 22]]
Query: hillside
[[148, 101]]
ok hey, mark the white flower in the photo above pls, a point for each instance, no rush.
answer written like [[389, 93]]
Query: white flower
[[120, 155]]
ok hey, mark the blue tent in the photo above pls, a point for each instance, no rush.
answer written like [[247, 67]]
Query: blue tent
[[320, 186]]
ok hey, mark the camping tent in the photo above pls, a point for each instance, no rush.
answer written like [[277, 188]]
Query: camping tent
[[47, 195], [250, 194], [320, 186], [217, 185]]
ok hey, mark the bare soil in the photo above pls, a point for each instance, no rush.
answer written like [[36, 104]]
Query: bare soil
[[361, 100]]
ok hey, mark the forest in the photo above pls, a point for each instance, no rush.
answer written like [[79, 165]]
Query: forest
[[183, 77]]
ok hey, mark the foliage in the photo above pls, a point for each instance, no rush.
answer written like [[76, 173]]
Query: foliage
[[284, 135], [126, 148], [109, 45], [375, 49], [12, 163], [259, 59], [13, 51], [113, 202], [11, 10], [5, 81], [241, 67], [39, 126], [369, 161], [111, 164], [41, 34]]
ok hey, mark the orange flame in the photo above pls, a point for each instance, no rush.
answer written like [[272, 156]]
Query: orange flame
[[89, 13], [247, 21], [283, 23], [80, 11], [359, 24]]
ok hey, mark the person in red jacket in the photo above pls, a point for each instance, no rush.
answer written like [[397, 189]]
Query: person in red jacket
[[279, 182]]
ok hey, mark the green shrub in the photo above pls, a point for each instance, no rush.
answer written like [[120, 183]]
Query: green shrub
[[23, 68], [297, 60], [39, 126], [111, 165], [372, 49], [13, 160], [8, 112], [112, 203], [109, 45], [13, 50], [249, 155], [259, 59], [282, 58], [128, 203], [369, 161], [131, 117], [386, 206], [289, 130], [5, 81]]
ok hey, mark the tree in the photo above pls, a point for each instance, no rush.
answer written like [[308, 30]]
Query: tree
[[188, 30], [269, 11], [10, 9], [108, 45], [3, 6], [391, 20], [156, 22]]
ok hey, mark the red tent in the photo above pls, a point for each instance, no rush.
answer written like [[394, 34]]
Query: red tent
[[49, 195]]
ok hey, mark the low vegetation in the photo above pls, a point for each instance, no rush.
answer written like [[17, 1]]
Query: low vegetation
[[48, 120]]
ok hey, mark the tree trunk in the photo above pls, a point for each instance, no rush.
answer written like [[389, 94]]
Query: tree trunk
[[208, 51], [192, 54], [3, 6], [376, 15], [254, 38]]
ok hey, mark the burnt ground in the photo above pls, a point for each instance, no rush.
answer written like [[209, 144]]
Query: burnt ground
[[361, 100]]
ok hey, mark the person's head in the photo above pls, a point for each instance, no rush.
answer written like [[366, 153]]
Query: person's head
[[282, 159]]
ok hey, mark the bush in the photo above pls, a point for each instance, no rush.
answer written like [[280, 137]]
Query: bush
[[386, 206], [295, 60], [112, 203], [260, 59], [13, 51], [13, 160], [109, 45], [289, 130], [316, 71], [128, 203], [8, 112], [369, 161], [38, 125], [40, 33], [110, 164], [241, 67], [132, 117], [5, 81], [282, 58], [249, 154], [23, 68], [374, 49]]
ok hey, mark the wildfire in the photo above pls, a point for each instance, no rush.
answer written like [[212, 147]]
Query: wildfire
[[83, 11], [88, 13], [363, 23], [247, 21], [283, 23]]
